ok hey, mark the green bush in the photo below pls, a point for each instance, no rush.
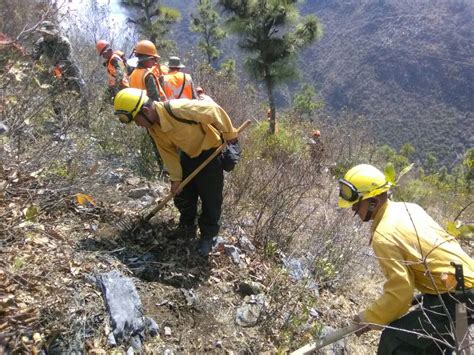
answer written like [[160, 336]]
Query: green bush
[[285, 142]]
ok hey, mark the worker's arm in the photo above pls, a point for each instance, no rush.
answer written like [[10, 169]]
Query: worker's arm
[[37, 49], [398, 289], [169, 153], [152, 89], [193, 90], [118, 72], [206, 112], [63, 49]]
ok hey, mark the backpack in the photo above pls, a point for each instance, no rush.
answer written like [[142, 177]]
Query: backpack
[[230, 155]]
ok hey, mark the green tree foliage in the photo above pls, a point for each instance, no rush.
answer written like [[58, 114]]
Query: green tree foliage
[[388, 154], [407, 150], [273, 33], [468, 164], [207, 23], [431, 162], [154, 21], [305, 102]]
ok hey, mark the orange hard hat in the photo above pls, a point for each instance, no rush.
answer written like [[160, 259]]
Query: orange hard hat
[[316, 133], [146, 48], [101, 46]]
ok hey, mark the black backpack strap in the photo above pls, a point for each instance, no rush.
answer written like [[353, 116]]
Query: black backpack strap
[[167, 106]]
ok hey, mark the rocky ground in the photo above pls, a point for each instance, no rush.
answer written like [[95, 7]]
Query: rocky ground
[[57, 238]]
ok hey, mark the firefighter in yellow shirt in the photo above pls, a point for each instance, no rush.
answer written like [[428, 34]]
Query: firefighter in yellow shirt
[[414, 252], [193, 127]]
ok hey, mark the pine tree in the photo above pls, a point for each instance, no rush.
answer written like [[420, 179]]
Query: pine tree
[[273, 33], [154, 21], [305, 102], [207, 23]]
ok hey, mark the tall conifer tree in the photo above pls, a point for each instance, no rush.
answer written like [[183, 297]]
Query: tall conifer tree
[[273, 33], [207, 23], [154, 20]]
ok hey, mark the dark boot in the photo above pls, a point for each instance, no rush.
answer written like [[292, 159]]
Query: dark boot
[[205, 246], [182, 232]]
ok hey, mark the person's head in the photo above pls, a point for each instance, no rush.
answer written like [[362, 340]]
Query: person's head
[[133, 105], [120, 54], [174, 63], [146, 61], [146, 48], [364, 189], [47, 29], [316, 134], [104, 49], [199, 90]]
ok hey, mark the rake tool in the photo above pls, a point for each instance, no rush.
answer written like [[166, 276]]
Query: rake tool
[[131, 225], [328, 339]]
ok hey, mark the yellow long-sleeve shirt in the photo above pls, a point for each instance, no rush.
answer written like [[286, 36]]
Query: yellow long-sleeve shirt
[[170, 134], [403, 235]]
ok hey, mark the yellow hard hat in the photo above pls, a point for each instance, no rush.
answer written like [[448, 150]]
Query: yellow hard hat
[[128, 102], [360, 183]]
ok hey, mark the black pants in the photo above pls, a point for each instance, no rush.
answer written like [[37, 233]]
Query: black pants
[[208, 186], [429, 320]]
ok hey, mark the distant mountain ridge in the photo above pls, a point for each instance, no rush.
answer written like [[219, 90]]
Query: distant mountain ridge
[[408, 66]]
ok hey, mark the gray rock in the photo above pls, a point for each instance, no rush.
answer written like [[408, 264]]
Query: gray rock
[[136, 343], [245, 243], [247, 315], [218, 243], [151, 326], [315, 313], [124, 308], [190, 296], [218, 344], [112, 177], [139, 192], [233, 252], [111, 339], [299, 270], [337, 348], [3, 129]]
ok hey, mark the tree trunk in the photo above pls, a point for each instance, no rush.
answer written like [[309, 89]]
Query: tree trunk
[[271, 102], [152, 34]]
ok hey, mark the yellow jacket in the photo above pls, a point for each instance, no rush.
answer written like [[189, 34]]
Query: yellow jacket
[[398, 231], [171, 134]]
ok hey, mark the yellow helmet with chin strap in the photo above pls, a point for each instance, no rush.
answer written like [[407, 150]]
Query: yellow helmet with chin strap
[[360, 183], [128, 102]]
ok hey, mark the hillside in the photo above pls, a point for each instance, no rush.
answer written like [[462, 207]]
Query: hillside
[[405, 66], [288, 265]]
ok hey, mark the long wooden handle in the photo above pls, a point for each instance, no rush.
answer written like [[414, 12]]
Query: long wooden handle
[[193, 174], [328, 339]]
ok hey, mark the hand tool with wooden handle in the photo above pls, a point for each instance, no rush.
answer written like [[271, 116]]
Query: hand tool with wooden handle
[[123, 225], [327, 339]]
